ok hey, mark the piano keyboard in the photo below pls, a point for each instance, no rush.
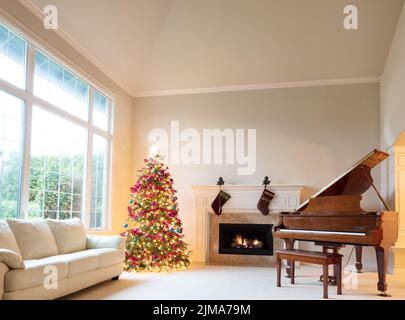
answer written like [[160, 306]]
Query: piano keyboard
[[360, 234]]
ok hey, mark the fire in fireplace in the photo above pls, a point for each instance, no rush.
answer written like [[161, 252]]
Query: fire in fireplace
[[240, 242], [248, 239]]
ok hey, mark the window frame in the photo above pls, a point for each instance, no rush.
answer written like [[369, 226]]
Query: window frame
[[27, 95]]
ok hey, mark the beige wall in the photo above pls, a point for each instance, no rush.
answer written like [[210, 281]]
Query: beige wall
[[392, 88], [393, 130], [392, 102], [122, 142], [304, 135]]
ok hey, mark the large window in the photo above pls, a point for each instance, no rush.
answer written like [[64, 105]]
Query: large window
[[13, 51], [55, 138], [60, 87], [57, 172], [98, 180], [100, 111], [11, 123]]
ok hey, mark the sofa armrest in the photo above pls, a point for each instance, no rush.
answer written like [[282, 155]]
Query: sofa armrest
[[98, 242], [11, 259], [3, 270]]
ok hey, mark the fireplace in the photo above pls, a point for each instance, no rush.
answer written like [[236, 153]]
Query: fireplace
[[246, 239]]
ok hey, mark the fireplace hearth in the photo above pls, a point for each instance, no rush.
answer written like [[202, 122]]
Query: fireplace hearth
[[246, 239]]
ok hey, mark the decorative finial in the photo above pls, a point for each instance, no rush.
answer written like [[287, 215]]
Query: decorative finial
[[220, 182], [266, 181]]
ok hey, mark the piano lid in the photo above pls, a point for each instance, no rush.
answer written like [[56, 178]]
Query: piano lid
[[354, 181]]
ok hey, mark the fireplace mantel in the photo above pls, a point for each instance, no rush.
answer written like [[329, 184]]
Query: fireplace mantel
[[244, 199]]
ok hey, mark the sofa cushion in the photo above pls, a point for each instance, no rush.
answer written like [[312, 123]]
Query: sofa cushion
[[70, 235], [80, 262], [11, 258], [108, 257], [34, 273], [34, 238], [98, 241], [7, 238]]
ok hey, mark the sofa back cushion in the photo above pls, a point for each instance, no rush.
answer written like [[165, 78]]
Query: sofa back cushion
[[34, 238], [7, 238], [70, 235]]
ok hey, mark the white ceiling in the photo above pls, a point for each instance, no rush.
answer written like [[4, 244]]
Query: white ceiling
[[155, 45]]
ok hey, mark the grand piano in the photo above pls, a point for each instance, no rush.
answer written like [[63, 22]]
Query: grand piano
[[333, 218]]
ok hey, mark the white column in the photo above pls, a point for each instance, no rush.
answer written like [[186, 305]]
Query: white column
[[399, 152]]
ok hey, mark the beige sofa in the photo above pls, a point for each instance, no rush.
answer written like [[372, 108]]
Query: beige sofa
[[48, 259]]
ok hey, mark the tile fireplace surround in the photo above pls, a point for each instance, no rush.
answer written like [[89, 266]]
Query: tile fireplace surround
[[240, 209]]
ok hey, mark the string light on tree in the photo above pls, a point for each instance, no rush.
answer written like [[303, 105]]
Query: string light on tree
[[154, 233]]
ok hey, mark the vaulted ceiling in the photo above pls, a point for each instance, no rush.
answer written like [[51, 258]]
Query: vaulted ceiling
[[155, 45]]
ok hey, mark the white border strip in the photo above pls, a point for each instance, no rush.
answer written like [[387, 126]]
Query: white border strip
[[259, 86]]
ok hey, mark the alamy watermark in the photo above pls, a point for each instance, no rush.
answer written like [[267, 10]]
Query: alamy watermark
[[51, 279], [50, 17], [210, 146], [351, 20], [350, 278]]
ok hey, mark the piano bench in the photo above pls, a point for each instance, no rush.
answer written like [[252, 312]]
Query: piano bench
[[323, 258]]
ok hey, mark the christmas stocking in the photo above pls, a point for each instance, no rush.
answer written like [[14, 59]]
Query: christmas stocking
[[219, 201], [264, 202]]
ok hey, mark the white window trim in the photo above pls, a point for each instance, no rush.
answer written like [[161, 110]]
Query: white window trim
[[27, 95]]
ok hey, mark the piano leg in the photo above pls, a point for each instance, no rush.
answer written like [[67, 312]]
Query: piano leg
[[381, 253], [289, 244], [359, 253]]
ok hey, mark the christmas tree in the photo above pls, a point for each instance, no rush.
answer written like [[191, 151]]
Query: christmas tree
[[154, 235]]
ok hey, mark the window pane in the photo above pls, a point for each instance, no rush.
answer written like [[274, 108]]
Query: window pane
[[100, 111], [98, 186], [11, 126], [57, 170], [60, 87], [13, 51]]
